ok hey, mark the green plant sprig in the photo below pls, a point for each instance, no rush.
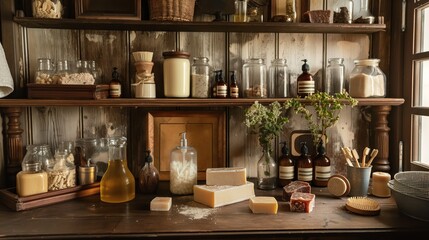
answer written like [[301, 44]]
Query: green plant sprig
[[327, 109]]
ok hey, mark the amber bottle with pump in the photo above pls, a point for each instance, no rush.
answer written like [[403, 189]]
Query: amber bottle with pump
[[322, 167], [233, 86], [305, 82], [286, 167], [221, 87], [148, 175], [115, 85], [304, 165]]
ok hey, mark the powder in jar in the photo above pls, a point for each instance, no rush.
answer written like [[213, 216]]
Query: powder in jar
[[200, 86]]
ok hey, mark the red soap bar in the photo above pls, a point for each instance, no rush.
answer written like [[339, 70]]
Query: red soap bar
[[295, 186], [302, 202]]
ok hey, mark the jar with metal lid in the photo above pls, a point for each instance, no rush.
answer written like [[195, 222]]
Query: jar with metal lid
[[278, 79], [255, 78], [45, 71], [47, 8], [62, 173], [200, 78], [176, 70], [32, 179], [334, 79], [367, 79]]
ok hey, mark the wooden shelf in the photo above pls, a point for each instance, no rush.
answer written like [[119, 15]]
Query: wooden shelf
[[173, 102], [94, 24]]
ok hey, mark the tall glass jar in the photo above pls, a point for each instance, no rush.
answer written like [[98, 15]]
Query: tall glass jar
[[267, 171], [47, 8], [45, 154], [334, 79], [118, 183], [176, 70], [367, 79], [255, 78], [290, 11], [32, 179], [278, 79], [62, 174], [45, 71], [200, 77], [343, 11]]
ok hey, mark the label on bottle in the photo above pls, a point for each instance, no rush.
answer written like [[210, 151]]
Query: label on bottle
[[286, 172], [115, 90], [233, 92], [221, 91], [322, 173], [306, 87], [305, 174]]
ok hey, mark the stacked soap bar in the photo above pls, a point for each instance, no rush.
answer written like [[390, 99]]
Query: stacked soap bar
[[266, 205], [295, 186], [224, 186], [302, 202]]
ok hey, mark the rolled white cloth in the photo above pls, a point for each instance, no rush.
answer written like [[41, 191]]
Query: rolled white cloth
[[6, 80]]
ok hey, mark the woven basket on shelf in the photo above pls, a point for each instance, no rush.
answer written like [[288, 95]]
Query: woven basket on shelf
[[172, 10]]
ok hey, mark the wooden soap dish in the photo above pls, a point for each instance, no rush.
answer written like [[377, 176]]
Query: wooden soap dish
[[363, 206]]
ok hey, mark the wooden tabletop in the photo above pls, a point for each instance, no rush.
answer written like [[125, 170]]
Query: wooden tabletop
[[88, 217]]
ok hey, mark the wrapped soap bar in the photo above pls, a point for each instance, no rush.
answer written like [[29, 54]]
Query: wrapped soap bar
[[295, 186], [302, 202]]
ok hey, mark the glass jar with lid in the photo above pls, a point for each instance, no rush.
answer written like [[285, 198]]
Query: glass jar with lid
[[334, 79], [278, 79], [45, 71], [255, 78], [367, 79], [200, 77], [32, 179], [62, 173], [176, 71], [47, 8]]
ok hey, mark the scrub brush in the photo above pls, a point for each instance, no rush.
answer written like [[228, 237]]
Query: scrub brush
[[363, 206]]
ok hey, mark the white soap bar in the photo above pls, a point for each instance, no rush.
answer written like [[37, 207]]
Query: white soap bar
[[160, 204], [233, 176], [263, 205], [216, 196]]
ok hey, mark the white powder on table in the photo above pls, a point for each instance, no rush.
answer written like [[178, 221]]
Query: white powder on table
[[195, 213]]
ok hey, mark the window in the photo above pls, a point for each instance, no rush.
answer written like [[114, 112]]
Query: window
[[416, 86]]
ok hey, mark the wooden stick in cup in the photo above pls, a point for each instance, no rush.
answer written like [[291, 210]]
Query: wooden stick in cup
[[373, 155], [364, 154], [356, 157], [347, 157]]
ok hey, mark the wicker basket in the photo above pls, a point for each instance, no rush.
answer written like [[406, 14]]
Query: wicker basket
[[172, 10]]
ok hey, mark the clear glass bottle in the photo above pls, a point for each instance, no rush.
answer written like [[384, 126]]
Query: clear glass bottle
[[322, 167], [148, 175], [32, 179], [335, 79], [61, 174], [45, 154], [255, 78], [234, 91], [240, 11], [221, 87], [290, 11], [115, 89], [286, 167], [364, 15], [304, 165], [176, 69], [367, 79], [117, 184], [267, 171], [47, 8], [45, 71], [200, 77], [278, 79], [183, 168], [305, 82]]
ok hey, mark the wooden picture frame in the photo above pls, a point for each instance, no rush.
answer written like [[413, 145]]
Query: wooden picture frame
[[108, 9], [205, 131]]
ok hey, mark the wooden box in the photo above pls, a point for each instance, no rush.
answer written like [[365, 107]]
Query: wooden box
[[62, 91]]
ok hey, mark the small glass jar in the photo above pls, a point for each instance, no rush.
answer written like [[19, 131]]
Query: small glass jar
[[343, 11], [176, 74], [200, 77], [367, 79], [334, 80], [278, 79], [32, 179], [62, 174], [62, 71], [45, 71], [47, 8], [255, 78]]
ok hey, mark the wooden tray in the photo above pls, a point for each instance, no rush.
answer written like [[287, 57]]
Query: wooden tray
[[62, 91], [9, 197]]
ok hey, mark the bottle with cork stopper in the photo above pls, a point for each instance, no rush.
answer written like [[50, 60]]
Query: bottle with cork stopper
[[115, 90], [286, 167], [305, 82]]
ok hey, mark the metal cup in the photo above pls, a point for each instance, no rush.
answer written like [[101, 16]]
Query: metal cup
[[359, 180], [87, 175]]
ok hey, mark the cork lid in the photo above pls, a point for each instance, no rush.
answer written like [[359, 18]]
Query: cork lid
[[176, 54], [338, 185]]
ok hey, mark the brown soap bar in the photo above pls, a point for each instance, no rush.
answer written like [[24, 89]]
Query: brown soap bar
[[302, 202], [295, 186]]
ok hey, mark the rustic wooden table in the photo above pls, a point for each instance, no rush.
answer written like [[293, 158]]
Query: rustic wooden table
[[88, 217]]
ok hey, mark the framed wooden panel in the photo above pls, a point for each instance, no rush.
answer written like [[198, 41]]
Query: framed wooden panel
[[108, 9], [205, 132]]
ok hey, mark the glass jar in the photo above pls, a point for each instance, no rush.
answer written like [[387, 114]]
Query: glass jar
[[62, 71], [364, 15], [118, 183], [45, 154], [32, 179], [85, 149], [290, 11], [367, 79], [343, 11], [334, 79], [47, 8], [255, 78], [67, 147], [267, 171], [278, 79], [45, 71], [200, 77], [176, 74], [61, 174], [240, 11]]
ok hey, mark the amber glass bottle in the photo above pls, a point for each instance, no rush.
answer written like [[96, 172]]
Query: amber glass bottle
[[222, 87], [233, 87], [115, 90], [322, 167], [148, 175], [286, 167], [305, 82], [304, 165]]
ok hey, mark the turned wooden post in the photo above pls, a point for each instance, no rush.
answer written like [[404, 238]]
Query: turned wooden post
[[381, 138], [14, 150]]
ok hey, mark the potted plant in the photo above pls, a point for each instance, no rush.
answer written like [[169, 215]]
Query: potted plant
[[267, 122]]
